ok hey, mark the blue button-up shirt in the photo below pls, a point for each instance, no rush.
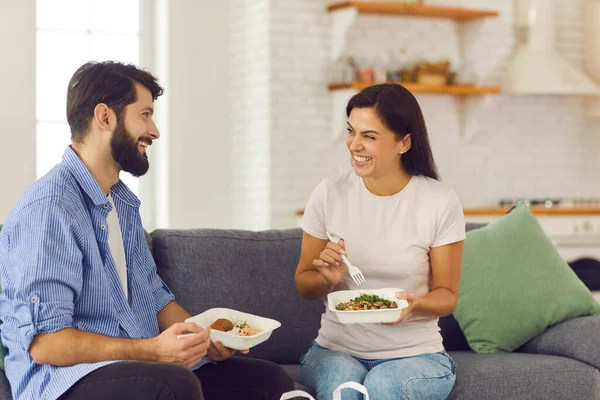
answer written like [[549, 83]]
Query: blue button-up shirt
[[57, 272]]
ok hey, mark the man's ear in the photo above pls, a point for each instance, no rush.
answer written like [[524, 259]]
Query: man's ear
[[104, 117]]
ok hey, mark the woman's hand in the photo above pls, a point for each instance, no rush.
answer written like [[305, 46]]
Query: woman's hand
[[330, 263], [412, 300]]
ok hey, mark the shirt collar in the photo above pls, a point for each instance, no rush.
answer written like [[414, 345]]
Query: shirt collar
[[124, 193], [90, 186]]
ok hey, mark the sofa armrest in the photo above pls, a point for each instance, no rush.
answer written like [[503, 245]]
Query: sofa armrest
[[578, 338]]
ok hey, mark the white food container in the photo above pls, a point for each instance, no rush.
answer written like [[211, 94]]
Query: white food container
[[266, 325], [366, 316]]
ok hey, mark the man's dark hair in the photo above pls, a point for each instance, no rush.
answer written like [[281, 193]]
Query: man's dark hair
[[108, 82]]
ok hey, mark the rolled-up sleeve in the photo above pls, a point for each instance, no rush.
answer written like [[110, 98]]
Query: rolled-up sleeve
[[160, 291], [42, 272]]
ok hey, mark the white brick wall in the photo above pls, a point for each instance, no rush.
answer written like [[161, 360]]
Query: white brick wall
[[251, 123], [521, 146], [299, 41]]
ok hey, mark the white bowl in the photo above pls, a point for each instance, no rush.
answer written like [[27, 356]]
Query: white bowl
[[266, 325], [366, 316]]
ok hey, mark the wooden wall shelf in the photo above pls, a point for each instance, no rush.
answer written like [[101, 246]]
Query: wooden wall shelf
[[456, 90], [415, 10]]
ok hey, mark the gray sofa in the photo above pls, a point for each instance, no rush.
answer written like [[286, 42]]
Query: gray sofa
[[254, 272]]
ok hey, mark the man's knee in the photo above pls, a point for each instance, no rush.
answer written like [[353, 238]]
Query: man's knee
[[180, 381], [281, 382]]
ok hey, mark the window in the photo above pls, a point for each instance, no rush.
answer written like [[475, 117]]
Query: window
[[69, 33]]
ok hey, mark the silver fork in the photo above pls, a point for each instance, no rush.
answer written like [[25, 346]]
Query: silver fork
[[354, 272]]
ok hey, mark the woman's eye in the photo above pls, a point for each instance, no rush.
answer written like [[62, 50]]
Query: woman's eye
[[350, 131], [369, 137]]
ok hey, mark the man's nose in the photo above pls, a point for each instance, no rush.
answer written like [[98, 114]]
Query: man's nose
[[153, 131]]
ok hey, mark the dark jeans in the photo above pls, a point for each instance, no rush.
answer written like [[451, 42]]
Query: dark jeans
[[236, 378]]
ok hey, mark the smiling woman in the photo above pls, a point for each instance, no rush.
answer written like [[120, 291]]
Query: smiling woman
[[405, 229], [389, 122]]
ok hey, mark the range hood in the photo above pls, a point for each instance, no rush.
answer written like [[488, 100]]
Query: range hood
[[536, 68]]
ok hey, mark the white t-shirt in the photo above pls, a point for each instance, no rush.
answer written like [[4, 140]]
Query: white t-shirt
[[115, 243], [388, 238]]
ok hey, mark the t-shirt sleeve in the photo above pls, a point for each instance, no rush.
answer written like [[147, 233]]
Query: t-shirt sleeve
[[313, 221], [451, 222]]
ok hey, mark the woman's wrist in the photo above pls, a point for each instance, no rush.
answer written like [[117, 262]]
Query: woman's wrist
[[415, 304], [327, 284]]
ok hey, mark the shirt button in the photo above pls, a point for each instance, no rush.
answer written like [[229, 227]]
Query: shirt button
[[106, 206], [103, 227], [34, 299]]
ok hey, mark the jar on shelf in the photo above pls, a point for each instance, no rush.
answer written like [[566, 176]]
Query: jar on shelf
[[365, 71]]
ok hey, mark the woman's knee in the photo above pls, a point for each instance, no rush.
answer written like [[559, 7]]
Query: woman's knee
[[324, 370], [383, 386]]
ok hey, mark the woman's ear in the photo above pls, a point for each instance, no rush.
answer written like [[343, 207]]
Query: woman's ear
[[405, 143]]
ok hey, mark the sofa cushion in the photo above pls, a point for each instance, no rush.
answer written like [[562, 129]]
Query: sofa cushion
[[452, 335], [578, 338], [522, 376], [511, 376], [293, 370], [248, 271], [5, 392], [515, 284]]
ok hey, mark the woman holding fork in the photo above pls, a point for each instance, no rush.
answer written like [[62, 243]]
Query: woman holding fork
[[403, 228]]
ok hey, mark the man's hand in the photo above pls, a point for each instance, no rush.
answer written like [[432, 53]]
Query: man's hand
[[218, 352], [186, 351]]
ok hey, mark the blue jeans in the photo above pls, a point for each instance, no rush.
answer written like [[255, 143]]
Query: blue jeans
[[426, 376]]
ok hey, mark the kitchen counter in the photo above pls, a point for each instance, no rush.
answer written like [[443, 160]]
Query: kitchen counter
[[536, 210], [554, 211]]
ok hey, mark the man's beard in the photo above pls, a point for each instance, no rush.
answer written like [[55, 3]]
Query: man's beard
[[125, 151]]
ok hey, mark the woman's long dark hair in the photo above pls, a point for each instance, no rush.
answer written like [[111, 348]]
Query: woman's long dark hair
[[400, 112]]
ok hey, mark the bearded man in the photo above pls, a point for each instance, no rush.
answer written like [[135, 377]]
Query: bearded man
[[83, 312]]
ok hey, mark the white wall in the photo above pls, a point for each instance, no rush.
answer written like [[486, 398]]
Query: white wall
[[251, 123], [195, 181], [17, 103], [194, 154], [302, 151]]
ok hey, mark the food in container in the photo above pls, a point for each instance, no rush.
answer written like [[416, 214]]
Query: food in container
[[260, 327], [237, 328], [366, 302], [369, 316]]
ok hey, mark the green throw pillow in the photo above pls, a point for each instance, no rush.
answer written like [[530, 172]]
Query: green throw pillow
[[514, 285]]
